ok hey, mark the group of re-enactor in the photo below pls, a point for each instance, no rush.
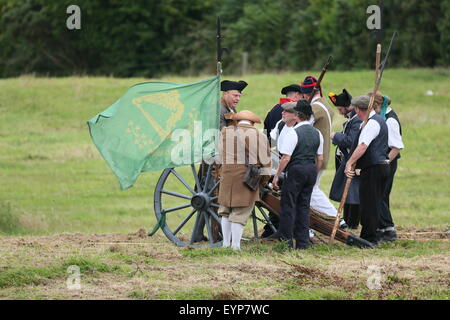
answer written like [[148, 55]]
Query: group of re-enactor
[[298, 141]]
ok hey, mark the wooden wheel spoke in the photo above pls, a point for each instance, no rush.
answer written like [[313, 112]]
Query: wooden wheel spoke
[[196, 227], [177, 208], [184, 222], [195, 174], [176, 194], [208, 176], [182, 181], [213, 214], [214, 188]]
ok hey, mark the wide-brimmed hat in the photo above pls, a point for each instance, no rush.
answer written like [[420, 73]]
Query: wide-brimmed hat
[[226, 85], [246, 115], [308, 84], [291, 88], [343, 99]]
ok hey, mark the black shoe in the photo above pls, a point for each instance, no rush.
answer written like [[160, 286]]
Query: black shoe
[[388, 236], [267, 233], [301, 246]]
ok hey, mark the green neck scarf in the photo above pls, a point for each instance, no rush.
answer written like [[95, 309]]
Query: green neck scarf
[[384, 107]]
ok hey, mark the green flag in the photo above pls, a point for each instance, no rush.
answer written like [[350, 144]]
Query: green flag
[[157, 125]]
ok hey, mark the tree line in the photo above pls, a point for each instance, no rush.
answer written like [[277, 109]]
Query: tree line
[[150, 38]]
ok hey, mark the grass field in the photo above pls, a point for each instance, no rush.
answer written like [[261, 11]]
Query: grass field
[[57, 192]]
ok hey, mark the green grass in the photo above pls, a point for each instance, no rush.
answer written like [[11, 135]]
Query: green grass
[[53, 179], [22, 276]]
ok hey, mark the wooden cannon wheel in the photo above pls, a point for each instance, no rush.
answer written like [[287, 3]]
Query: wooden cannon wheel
[[187, 198]]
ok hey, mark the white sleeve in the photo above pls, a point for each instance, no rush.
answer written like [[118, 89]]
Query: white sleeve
[[274, 131], [369, 132], [320, 149], [289, 143], [394, 136]]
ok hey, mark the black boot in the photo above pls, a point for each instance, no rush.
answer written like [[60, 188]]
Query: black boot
[[388, 236], [301, 245]]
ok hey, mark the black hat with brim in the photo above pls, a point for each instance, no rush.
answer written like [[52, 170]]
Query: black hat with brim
[[343, 99], [226, 85], [291, 88]]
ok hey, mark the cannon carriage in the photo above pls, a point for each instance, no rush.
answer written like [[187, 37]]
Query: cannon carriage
[[192, 212]]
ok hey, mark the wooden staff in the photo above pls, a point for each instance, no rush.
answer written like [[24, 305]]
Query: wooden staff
[[349, 180]]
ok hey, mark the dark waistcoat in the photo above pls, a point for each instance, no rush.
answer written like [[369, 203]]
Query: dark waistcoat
[[377, 150], [307, 145]]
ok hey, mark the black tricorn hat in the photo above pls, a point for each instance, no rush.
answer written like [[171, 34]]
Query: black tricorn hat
[[291, 88], [343, 99], [226, 85], [304, 107]]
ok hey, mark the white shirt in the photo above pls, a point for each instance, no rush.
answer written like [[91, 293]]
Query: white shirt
[[291, 139], [274, 131], [278, 137], [370, 131], [394, 136]]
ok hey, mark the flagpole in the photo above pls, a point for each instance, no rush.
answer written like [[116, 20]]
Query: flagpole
[[219, 48]]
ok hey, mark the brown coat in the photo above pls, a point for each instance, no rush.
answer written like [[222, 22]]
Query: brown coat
[[323, 125], [232, 191]]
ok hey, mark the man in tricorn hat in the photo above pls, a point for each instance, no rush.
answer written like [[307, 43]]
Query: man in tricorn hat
[[231, 96], [293, 94], [344, 141], [240, 144], [321, 119]]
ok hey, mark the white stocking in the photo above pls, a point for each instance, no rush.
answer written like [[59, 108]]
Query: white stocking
[[226, 231], [236, 234]]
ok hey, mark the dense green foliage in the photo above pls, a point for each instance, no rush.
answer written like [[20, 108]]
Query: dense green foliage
[[153, 37]]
